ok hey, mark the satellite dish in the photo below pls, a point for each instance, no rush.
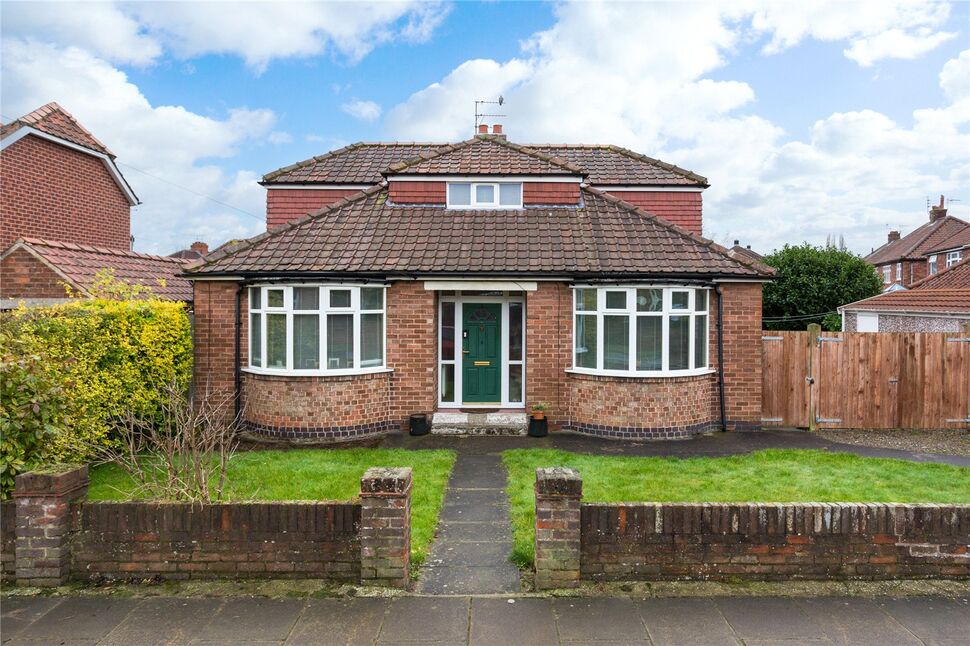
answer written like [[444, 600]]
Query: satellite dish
[[501, 99]]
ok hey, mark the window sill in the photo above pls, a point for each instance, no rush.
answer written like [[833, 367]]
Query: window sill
[[697, 372], [315, 373]]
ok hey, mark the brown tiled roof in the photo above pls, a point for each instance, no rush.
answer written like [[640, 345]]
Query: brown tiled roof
[[363, 234], [80, 264], [363, 163], [918, 242], [58, 122], [738, 251], [930, 301], [958, 240], [484, 155], [957, 275]]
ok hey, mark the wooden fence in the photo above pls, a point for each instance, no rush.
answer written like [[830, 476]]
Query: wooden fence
[[866, 380]]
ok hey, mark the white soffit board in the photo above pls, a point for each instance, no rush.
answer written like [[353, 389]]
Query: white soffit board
[[480, 285]]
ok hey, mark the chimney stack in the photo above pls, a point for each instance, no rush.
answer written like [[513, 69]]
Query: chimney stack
[[938, 212], [893, 236], [200, 247], [497, 131]]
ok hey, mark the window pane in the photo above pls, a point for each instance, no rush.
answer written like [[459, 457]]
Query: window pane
[[371, 298], [700, 300], [586, 341], [616, 300], [515, 383], [515, 332], [276, 340], [679, 342], [679, 300], [616, 342], [306, 341], [371, 340], [586, 300], [274, 298], [254, 300], [484, 193], [649, 343], [255, 336], [306, 298], [339, 298], [340, 341], [448, 331], [510, 195], [460, 194], [650, 300], [700, 341], [448, 382]]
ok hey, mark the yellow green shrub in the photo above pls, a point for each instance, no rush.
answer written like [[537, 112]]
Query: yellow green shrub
[[108, 356]]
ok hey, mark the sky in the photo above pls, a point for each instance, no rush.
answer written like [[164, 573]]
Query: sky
[[809, 119]]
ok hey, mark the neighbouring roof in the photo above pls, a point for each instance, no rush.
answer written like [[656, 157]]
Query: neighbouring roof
[[745, 252], [54, 120], [958, 240], [364, 163], [80, 264], [484, 155], [918, 242], [364, 235], [954, 276], [917, 301]]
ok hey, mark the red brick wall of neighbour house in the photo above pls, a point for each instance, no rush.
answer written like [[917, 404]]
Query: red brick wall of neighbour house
[[287, 204], [8, 540], [554, 193], [742, 352], [214, 336], [24, 276], [548, 347], [417, 192], [412, 347], [680, 208], [54, 192]]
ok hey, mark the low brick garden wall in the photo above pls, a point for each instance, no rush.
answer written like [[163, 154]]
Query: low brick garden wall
[[723, 541], [8, 540], [56, 535]]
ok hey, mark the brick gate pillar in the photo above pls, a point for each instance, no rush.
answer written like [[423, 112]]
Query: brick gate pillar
[[559, 492], [43, 556], [385, 527]]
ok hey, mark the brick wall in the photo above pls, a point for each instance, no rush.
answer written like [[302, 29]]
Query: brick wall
[[317, 408], [8, 540], [417, 192], [286, 204], [742, 353], [24, 276], [186, 541], [556, 193], [682, 209], [548, 347], [412, 349], [633, 408], [51, 191], [213, 335]]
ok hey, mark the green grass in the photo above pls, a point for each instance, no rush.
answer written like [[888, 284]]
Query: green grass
[[318, 474], [765, 476]]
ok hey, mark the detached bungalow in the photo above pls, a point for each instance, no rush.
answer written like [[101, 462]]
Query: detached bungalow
[[475, 280]]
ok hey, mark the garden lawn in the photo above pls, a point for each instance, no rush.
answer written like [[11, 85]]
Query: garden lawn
[[765, 476], [317, 474]]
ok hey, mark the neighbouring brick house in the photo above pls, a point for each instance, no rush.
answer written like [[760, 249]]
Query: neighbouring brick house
[[67, 215], [938, 303], [906, 260], [475, 280]]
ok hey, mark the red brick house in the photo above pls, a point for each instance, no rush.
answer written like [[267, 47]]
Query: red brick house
[[67, 215], [475, 280], [905, 260]]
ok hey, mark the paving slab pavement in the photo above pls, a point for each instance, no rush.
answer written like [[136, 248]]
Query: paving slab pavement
[[491, 621]]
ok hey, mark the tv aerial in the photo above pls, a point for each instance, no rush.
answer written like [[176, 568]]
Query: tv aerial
[[480, 115]]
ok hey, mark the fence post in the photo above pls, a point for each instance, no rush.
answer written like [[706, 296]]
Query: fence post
[[385, 527], [814, 331], [42, 552], [559, 493]]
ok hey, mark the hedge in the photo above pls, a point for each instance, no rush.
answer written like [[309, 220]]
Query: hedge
[[106, 356]]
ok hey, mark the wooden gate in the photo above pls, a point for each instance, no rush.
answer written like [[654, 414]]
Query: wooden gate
[[866, 380]]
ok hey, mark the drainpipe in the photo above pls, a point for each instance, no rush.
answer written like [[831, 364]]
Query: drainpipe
[[720, 355], [237, 395]]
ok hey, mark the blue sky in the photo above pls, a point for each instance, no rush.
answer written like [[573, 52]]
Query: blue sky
[[810, 119]]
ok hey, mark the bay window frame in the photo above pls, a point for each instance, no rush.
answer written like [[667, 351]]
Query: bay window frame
[[633, 315]]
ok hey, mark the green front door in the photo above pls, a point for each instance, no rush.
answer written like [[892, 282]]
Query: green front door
[[481, 372]]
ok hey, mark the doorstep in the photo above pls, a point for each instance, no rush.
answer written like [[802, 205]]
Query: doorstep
[[490, 423]]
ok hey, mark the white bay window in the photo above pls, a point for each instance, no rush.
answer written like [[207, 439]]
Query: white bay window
[[316, 329], [640, 331]]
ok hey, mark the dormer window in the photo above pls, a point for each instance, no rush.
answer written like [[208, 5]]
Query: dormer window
[[484, 195]]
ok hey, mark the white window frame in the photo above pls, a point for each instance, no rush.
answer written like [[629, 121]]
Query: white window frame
[[887, 274], [899, 272], [631, 311], [953, 257], [932, 265], [475, 204], [322, 311]]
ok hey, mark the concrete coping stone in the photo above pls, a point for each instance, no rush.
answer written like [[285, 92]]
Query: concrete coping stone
[[386, 481], [559, 482]]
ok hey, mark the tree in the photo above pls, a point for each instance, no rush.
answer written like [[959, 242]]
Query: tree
[[811, 282]]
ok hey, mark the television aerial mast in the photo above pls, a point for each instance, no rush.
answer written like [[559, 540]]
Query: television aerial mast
[[480, 115]]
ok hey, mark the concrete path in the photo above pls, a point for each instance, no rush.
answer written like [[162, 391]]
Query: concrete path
[[470, 553], [486, 621]]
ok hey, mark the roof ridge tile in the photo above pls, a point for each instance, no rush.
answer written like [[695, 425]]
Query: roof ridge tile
[[74, 246]]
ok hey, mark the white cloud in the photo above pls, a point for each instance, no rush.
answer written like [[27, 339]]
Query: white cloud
[[279, 137], [895, 43], [955, 77], [363, 110]]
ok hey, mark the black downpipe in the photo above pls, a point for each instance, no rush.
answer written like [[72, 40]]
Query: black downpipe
[[720, 355], [237, 395]]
